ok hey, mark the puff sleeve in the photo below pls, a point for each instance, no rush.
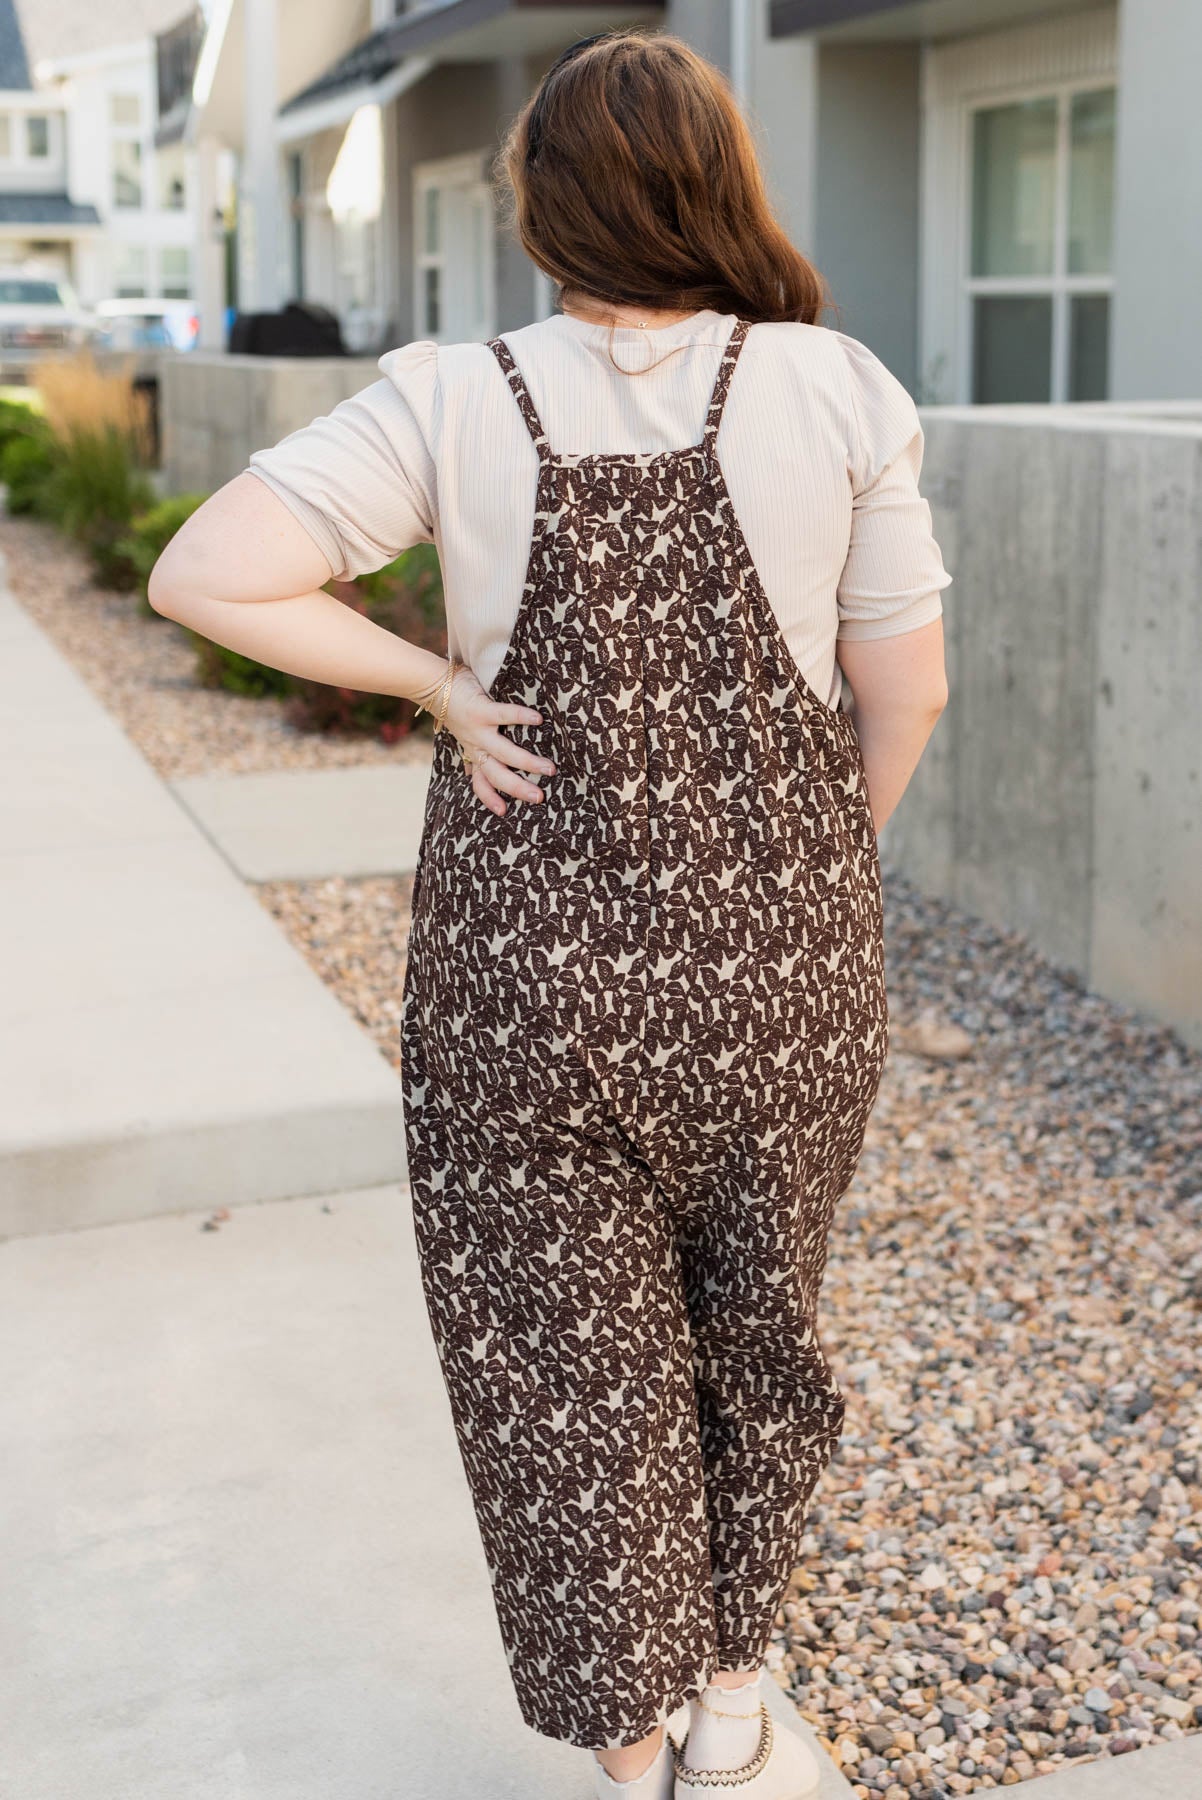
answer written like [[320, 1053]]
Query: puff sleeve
[[362, 479], [894, 575]]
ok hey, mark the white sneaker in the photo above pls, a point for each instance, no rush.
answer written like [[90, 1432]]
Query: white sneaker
[[655, 1784], [783, 1768]]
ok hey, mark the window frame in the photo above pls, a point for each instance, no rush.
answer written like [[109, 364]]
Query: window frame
[[136, 134], [466, 172], [17, 160], [134, 249], [37, 159], [162, 252], [1060, 286]]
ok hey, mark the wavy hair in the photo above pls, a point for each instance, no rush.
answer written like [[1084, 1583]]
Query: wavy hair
[[634, 179]]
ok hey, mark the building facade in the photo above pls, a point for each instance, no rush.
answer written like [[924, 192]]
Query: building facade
[[1005, 196], [87, 189]]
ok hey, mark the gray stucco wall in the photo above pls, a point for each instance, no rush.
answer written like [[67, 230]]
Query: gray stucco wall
[[1061, 795], [782, 108], [705, 24], [1156, 343], [866, 195]]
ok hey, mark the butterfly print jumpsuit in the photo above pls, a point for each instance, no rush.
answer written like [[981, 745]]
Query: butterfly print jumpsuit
[[643, 1027]]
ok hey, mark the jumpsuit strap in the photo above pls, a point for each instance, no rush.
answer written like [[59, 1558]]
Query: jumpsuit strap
[[521, 394], [726, 367]]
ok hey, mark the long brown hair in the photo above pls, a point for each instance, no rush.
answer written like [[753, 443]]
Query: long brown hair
[[634, 180]]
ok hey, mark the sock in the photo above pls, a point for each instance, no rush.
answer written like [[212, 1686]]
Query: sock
[[607, 1785], [728, 1742]]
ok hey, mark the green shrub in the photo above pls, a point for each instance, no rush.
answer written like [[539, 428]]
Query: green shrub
[[417, 571], [405, 597], [27, 461], [94, 491], [217, 667], [17, 418], [149, 535], [99, 420]]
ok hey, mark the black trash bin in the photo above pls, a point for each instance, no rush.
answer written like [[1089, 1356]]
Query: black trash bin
[[298, 329]]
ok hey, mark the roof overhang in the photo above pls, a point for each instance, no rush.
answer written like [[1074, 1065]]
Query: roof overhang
[[483, 30], [315, 36], [866, 21], [320, 37], [306, 118], [46, 216], [173, 126]]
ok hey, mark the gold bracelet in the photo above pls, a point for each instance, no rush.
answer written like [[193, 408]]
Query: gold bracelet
[[443, 682], [453, 665]]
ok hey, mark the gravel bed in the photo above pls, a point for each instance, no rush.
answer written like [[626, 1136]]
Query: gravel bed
[[1002, 1567], [354, 933], [143, 671]]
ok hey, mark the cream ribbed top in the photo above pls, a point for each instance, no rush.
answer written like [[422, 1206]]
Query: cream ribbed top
[[820, 444]]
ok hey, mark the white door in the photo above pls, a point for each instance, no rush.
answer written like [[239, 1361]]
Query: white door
[[453, 251]]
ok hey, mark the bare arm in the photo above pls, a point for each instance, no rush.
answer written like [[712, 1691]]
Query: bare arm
[[245, 573], [899, 685]]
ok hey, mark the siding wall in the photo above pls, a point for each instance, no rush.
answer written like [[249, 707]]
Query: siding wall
[[866, 206], [1157, 338]]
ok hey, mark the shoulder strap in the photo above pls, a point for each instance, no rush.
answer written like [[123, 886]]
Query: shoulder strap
[[521, 394], [726, 367]]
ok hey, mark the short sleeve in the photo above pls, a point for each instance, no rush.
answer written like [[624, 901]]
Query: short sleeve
[[894, 575], [362, 479]]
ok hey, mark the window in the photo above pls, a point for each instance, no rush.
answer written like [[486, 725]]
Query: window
[[432, 262], [175, 275], [28, 138], [127, 172], [453, 229], [125, 124], [171, 173], [129, 272], [1039, 279]]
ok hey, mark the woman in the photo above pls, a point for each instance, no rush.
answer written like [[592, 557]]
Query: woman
[[644, 1012]]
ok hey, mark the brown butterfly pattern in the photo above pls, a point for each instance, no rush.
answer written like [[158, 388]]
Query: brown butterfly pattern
[[644, 1024]]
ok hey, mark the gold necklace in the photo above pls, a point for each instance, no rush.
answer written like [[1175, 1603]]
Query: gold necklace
[[635, 324], [619, 324]]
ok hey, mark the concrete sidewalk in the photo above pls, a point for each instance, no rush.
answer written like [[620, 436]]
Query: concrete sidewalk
[[1158, 1772], [240, 1558], [297, 824], [160, 1039]]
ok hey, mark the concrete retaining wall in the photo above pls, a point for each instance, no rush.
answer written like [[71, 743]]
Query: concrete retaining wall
[[1061, 794], [215, 409]]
